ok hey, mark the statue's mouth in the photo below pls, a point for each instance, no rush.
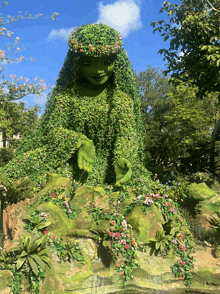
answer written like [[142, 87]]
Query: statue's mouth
[[98, 77]]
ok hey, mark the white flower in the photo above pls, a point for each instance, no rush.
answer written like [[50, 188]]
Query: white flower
[[124, 223]]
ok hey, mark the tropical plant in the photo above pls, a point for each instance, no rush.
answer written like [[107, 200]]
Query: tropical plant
[[36, 220], [174, 227], [160, 241], [70, 251], [32, 252], [7, 258]]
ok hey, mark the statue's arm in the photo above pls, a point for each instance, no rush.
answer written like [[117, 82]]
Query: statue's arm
[[126, 144]]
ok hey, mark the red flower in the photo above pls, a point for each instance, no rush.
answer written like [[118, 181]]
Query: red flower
[[94, 205], [182, 248], [54, 237], [168, 204], [118, 265], [127, 218], [133, 243], [183, 237], [113, 222], [99, 50], [183, 262], [110, 234], [117, 234], [46, 232], [81, 50], [54, 196], [126, 246]]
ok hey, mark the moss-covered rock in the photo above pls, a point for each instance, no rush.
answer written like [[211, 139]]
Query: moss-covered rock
[[145, 226], [200, 192]]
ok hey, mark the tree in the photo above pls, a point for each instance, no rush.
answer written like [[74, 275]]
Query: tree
[[160, 132], [10, 113], [198, 35], [196, 31], [178, 126], [195, 120], [17, 119], [16, 91]]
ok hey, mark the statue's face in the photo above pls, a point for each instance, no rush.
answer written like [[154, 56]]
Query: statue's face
[[97, 70]]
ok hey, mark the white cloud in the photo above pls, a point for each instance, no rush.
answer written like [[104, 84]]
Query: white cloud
[[40, 100], [62, 34], [123, 16]]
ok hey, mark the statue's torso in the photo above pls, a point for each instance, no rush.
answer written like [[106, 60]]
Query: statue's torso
[[90, 115]]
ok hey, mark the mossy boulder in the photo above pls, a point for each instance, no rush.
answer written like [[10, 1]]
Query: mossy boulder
[[200, 192], [145, 226], [207, 202], [65, 276]]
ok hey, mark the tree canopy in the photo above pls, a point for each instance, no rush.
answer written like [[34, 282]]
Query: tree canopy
[[195, 30]]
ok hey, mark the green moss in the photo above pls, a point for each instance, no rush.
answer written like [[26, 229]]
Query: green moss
[[201, 191], [143, 224], [4, 279], [60, 279], [60, 223]]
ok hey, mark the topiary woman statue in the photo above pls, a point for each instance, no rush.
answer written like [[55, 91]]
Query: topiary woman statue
[[92, 129]]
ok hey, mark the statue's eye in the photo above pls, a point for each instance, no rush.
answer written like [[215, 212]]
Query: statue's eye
[[108, 62], [86, 63]]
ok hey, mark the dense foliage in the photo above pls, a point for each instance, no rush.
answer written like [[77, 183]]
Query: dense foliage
[[178, 125], [196, 33]]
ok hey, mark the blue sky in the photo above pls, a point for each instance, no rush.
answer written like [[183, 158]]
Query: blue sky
[[46, 40]]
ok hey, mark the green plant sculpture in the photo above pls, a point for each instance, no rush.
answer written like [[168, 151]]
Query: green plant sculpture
[[91, 130]]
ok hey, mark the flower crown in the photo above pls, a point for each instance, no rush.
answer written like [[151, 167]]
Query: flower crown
[[95, 40]]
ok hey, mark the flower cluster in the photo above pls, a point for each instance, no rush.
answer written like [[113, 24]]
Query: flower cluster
[[123, 243], [61, 200], [67, 206], [95, 40]]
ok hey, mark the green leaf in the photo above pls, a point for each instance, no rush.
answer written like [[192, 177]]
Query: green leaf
[[20, 262], [43, 242], [46, 260], [151, 240], [160, 233], [157, 245], [33, 265], [39, 261]]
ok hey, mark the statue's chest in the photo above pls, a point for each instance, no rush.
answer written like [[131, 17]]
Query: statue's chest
[[90, 111]]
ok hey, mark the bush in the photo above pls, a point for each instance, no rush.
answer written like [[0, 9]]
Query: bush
[[6, 154]]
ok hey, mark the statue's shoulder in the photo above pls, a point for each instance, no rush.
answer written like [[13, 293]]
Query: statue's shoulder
[[123, 98], [66, 94]]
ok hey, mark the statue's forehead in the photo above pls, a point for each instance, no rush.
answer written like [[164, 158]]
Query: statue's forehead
[[102, 58]]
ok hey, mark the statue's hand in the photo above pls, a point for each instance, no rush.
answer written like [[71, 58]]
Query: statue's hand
[[86, 155], [123, 171]]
